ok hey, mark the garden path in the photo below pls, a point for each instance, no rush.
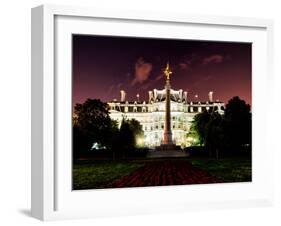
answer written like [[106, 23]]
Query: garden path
[[166, 172]]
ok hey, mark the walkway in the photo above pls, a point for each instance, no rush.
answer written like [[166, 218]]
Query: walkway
[[167, 172]]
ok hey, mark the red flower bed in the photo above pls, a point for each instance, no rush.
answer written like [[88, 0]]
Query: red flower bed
[[169, 172]]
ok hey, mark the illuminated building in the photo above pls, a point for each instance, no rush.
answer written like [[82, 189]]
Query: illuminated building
[[154, 118]]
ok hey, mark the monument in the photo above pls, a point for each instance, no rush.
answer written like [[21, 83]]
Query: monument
[[151, 113], [167, 143], [167, 148]]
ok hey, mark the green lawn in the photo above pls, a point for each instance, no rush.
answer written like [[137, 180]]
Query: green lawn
[[229, 170], [100, 174]]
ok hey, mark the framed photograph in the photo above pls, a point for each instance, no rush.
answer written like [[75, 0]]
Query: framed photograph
[[138, 112]]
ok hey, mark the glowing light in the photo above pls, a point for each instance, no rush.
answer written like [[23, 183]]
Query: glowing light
[[140, 141], [97, 146], [190, 139]]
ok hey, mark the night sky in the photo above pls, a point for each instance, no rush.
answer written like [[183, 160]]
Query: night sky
[[104, 65]]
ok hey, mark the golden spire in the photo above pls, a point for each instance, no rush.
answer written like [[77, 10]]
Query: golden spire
[[167, 71]]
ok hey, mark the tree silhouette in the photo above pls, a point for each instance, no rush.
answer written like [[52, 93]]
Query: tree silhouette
[[238, 123], [200, 126], [231, 131], [214, 134], [126, 137], [91, 124], [137, 130]]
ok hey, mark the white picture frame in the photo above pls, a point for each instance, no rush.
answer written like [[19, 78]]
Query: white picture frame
[[52, 198]]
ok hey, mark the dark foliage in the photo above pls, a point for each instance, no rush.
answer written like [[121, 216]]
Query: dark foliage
[[197, 151], [228, 134], [238, 123], [126, 137], [92, 117], [92, 124], [129, 131], [135, 127], [200, 126]]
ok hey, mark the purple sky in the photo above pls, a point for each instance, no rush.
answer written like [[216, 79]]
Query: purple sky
[[104, 65]]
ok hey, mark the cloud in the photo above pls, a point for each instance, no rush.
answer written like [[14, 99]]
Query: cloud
[[185, 64], [147, 85], [159, 77], [109, 91], [216, 58], [199, 82], [142, 71], [152, 82], [112, 89], [119, 85]]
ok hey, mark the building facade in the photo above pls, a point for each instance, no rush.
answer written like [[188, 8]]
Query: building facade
[[151, 114]]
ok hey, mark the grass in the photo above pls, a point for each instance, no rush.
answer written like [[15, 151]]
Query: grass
[[229, 170], [101, 174]]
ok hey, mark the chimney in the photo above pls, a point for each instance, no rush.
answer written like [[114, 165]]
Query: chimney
[[210, 95], [180, 94], [150, 95], [123, 95], [185, 96]]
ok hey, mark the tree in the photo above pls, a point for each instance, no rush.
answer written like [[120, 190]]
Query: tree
[[214, 134], [199, 126], [91, 124], [231, 131], [126, 138], [114, 139], [129, 136], [238, 123], [137, 130], [81, 141], [193, 137]]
